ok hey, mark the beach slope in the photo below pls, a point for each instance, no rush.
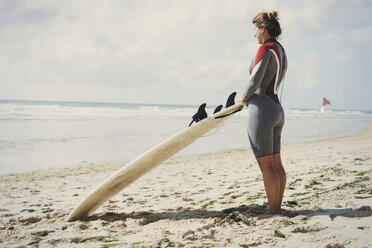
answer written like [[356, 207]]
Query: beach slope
[[209, 200]]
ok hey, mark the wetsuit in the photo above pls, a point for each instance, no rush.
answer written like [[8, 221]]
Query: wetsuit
[[266, 115]]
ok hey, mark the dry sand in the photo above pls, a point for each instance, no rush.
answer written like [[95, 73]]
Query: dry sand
[[212, 200]]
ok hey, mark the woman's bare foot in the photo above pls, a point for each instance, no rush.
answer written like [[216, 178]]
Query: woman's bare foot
[[269, 212]]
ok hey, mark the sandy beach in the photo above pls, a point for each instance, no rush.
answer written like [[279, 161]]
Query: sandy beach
[[209, 200]]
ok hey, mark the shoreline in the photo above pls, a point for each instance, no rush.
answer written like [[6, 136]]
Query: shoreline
[[178, 155], [205, 200]]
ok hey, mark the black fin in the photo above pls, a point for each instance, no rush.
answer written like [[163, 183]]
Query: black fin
[[200, 115], [218, 109], [231, 100]]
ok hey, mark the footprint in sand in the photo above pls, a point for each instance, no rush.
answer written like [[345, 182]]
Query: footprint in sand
[[28, 210], [308, 229], [205, 232], [30, 220]]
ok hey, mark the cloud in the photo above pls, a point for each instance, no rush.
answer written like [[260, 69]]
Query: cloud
[[303, 72], [13, 12], [215, 75], [302, 19], [354, 39], [144, 43], [105, 47]]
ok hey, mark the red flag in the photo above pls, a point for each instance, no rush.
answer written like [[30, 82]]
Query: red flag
[[325, 101]]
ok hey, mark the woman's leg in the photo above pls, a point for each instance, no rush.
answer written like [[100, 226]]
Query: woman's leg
[[281, 173], [271, 181]]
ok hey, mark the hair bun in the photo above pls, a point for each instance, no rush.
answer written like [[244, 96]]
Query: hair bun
[[273, 16], [269, 20]]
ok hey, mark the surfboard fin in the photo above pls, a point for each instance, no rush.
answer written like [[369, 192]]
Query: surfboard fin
[[200, 115], [218, 109], [231, 100]]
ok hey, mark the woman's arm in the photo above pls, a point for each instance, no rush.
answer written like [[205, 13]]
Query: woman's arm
[[262, 59]]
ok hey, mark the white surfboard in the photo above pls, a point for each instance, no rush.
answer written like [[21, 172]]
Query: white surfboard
[[147, 161]]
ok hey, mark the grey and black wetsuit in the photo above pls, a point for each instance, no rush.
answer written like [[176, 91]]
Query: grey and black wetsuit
[[266, 115]]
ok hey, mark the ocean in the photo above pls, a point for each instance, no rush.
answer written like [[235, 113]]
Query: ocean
[[42, 135]]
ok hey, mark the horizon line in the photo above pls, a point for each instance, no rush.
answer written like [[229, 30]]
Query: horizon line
[[162, 104]]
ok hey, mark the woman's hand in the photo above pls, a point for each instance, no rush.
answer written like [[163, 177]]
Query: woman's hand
[[244, 101]]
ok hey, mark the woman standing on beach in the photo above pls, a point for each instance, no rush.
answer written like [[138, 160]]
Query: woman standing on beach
[[266, 115]]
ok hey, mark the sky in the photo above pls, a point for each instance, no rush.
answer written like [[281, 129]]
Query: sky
[[181, 52]]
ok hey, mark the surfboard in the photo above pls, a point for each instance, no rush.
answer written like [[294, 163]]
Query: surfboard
[[153, 157]]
